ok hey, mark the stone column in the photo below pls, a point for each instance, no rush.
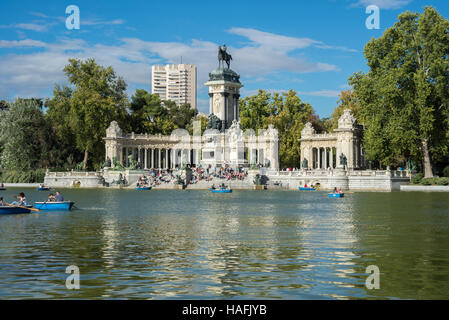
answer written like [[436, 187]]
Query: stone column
[[211, 103], [146, 159], [331, 155], [139, 156], [166, 158], [126, 156], [152, 159], [159, 158], [325, 158], [319, 158]]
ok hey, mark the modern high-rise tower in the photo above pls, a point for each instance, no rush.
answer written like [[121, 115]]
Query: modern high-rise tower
[[175, 82]]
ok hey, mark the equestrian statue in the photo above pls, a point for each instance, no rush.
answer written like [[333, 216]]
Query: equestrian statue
[[223, 56]]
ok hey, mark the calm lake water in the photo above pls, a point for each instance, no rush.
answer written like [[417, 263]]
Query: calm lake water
[[244, 245]]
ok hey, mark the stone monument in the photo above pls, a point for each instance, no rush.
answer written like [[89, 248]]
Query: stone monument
[[224, 91]]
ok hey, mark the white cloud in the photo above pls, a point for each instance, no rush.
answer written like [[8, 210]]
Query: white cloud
[[22, 43], [34, 73], [95, 22], [27, 26], [383, 4], [280, 42]]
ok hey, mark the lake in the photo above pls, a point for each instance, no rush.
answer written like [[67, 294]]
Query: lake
[[169, 244]]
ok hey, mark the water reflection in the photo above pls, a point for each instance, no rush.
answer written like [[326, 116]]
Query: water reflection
[[248, 244]]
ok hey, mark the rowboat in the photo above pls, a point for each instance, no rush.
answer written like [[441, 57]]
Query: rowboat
[[306, 189], [336, 195], [57, 206], [14, 210], [43, 189], [2, 189], [143, 188], [221, 190]]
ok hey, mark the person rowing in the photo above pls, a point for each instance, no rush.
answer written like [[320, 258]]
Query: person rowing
[[213, 187], [2, 203], [51, 198], [21, 200]]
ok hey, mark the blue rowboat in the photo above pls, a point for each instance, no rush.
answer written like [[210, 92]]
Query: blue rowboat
[[306, 189], [43, 189], [220, 190], [143, 188], [336, 195], [57, 206], [14, 210]]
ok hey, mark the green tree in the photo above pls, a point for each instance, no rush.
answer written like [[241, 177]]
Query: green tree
[[291, 114], [255, 110], [286, 112], [97, 97], [404, 98], [147, 112], [27, 138], [182, 115]]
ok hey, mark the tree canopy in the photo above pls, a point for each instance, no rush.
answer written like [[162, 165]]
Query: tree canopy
[[27, 138], [286, 112], [83, 111], [404, 97]]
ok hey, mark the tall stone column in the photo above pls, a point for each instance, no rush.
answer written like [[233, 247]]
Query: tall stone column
[[126, 156], [152, 159], [159, 158], [325, 158], [166, 158], [211, 103], [146, 159], [319, 158], [139, 157], [331, 155]]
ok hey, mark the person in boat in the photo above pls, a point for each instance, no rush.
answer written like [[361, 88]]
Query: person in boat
[[2, 203], [59, 197], [335, 190], [21, 200], [51, 198], [213, 187], [305, 186]]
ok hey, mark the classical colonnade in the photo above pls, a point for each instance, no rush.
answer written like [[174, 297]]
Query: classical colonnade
[[324, 158], [160, 158]]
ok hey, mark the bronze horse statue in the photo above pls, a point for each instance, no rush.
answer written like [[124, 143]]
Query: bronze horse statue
[[223, 56]]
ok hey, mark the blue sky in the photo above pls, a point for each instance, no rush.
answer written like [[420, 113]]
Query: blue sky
[[309, 46]]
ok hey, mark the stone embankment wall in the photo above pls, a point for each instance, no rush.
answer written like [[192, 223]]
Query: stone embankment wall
[[369, 180], [73, 179], [426, 188]]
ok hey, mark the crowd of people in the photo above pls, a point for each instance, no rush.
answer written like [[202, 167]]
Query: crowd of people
[[199, 173], [227, 173]]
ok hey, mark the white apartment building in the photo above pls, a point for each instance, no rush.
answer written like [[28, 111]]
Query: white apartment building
[[175, 82]]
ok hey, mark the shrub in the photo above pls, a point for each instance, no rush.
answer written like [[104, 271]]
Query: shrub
[[443, 181], [427, 181], [417, 178], [446, 171], [15, 176]]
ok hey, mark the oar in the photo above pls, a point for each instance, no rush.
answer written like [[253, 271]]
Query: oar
[[16, 206]]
